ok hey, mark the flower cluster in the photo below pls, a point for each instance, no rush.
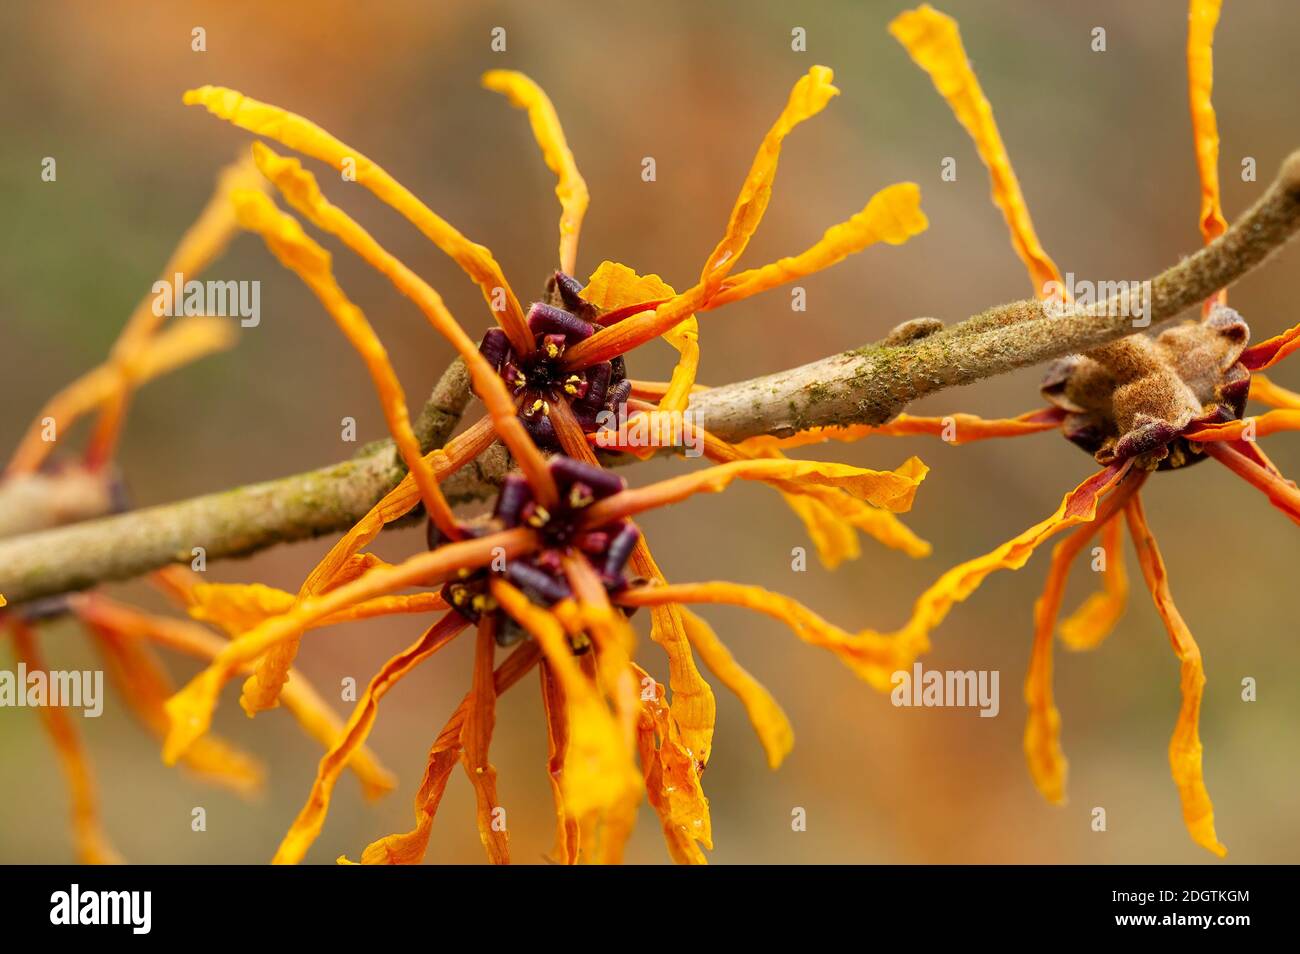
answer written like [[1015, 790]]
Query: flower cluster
[[559, 565]]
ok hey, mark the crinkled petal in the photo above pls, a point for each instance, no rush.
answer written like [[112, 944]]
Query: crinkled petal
[[1185, 745], [770, 722], [397, 503], [557, 753], [306, 827], [891, 490], [1270, 422], [91, 841], [872, 656], [672, 781], [1266, 391], [183, 343], [808, 97], [190, 710], [301, 254], [1078, 506], [694, 708], [408, 848], [600, 782], [302, 700], [145, 686], [136, 357], [571, 188], [1203, 16], [932, 40], [1271, 350], [476, 739], [295, 132], [828, 513], [1093, 621], [301, 190], [1282, 493], [1042, 741], [893, 215]]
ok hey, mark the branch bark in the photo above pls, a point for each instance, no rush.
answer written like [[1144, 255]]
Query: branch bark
[[866, 386]]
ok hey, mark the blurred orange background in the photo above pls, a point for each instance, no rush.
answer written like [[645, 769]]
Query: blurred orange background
[[1102, 145]]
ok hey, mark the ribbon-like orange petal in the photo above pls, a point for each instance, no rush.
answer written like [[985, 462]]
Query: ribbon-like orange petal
[[770, 722], [311, 817], [613, 286], [1185, 745], [672, 781], [1282, 493], [829, 514], [955, 429], [808, 97], [933, 41], [302, 255], [183, 343], [302, 700], [1270, 422], [145, 686], [397, 503], [91, 841], [557, 753], [300, 189], [870, 655], [1202, 17], [1093, 621], [570, 187], [694, 708], [190, 710], [134, 359], [890, 490], [295, 132], [1042, 740], [1271, 350], [1078, 506], [893, 215], [1266, 391], [408, 848], [600, 782], [476, 739]]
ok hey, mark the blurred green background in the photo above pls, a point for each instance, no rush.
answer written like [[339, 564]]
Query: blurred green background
[[1102, 145]]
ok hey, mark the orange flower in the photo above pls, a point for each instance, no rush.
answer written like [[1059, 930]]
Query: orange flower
[[549, 356], [536, 383], [557, 574]]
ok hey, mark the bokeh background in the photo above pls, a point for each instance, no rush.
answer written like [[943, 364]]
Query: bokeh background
[[1102, 144]]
